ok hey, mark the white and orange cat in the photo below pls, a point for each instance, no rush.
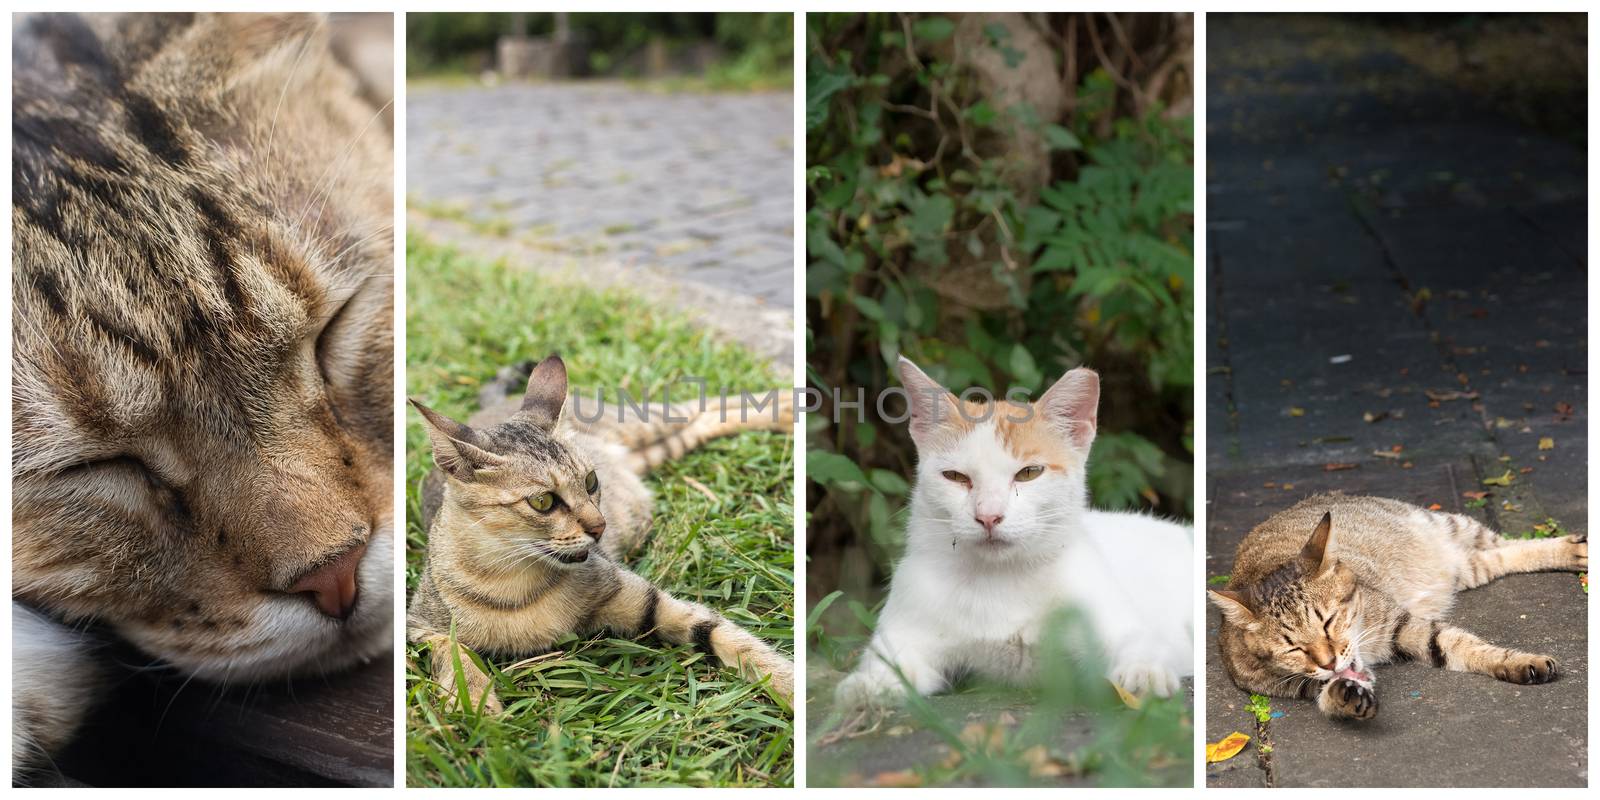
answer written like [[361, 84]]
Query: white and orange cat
[[1001, 535]]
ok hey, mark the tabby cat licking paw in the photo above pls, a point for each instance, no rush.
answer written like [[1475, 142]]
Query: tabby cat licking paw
[[1323, 592], [1001, 535], [529, 516]]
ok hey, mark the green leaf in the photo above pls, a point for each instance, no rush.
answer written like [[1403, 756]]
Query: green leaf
[[931, 30], [1261, 706], [868, 307], [833, 469], [820, 608], [1023, 368], [1059, 138], [932, 216], [822, 83], [889, 482]]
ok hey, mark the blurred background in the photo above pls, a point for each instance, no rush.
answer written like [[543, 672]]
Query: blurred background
[[1000, 197], [726, 50]]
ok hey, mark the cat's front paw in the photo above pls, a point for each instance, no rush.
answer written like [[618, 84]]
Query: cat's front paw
[[1145, 676], [865, 689], [1346, 699], [480, 692], [1526, 668]]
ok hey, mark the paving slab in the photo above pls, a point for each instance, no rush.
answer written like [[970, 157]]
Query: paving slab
[[1398, 283], [669, 181]]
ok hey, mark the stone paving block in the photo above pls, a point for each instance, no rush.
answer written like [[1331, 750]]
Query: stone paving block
[[590, 168]]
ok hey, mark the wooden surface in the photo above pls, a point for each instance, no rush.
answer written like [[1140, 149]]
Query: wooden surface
[[153, 730]]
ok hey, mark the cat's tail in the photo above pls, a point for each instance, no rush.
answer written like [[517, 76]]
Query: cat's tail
[[657, 433]]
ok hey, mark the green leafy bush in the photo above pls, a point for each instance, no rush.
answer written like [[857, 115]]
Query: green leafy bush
[[1082, 255]]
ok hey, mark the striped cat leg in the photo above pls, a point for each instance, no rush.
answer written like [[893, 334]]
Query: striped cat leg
[[640, 608], [1448, 647], [442, 658], [1568, 554]]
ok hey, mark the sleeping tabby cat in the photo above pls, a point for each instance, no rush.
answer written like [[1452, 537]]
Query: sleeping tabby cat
[[203, 347], [534, 511], [1326, 590]]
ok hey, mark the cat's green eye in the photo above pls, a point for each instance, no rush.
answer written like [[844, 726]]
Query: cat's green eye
[[542, 502], [1029, 473], [951, 474], [591, 482]]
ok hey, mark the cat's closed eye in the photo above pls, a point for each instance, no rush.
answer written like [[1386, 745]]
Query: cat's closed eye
[[1028, 473], [958, 477]]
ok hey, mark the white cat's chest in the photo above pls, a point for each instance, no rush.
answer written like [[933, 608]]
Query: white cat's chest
[[967, 606]]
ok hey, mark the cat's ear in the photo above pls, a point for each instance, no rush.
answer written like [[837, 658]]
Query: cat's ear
[[1316, 558], [221, 50], [1233, 606], [547, 392], [457, 449], [1072, 405], [931, 405]]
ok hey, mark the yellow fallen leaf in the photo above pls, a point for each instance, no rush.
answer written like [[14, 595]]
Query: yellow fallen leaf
[[1296, 411], [899, 779], [1547, 443], [1128, 699], [1503, 480], [1227, 748]]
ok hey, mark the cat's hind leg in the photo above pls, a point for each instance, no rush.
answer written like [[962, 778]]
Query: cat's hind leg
[[1511, 556], [1448, 647], [639, 608]]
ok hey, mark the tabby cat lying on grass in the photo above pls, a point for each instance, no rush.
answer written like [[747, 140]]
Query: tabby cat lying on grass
[[529, 516], [1326, 590]]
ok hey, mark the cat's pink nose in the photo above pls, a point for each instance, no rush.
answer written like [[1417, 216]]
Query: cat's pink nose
[[989, 521], [333, 587]]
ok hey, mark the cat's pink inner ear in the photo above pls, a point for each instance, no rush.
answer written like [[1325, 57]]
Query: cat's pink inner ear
[[1234, 606], [930, 404], [455, 446], [1073, 405]]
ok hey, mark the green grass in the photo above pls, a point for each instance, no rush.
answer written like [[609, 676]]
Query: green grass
[[726, 79], [604, 712], [1070, 730]]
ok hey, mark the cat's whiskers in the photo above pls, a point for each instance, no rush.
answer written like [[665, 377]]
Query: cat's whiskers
[[322, 195], [288, 81]]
